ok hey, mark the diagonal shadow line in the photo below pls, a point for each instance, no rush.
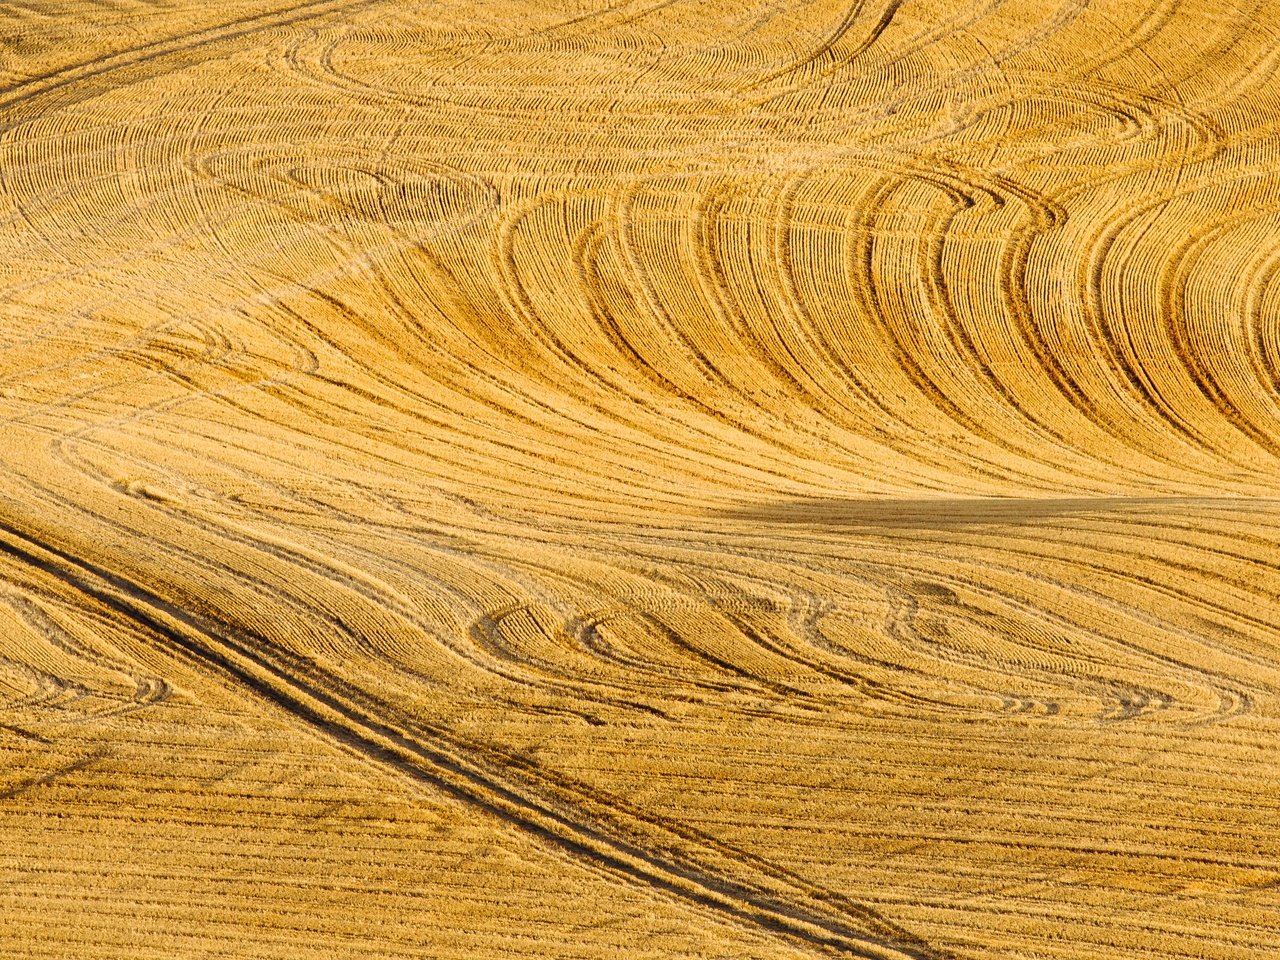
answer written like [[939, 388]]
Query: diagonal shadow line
[[44, 779], [672, 859], [961, 513]]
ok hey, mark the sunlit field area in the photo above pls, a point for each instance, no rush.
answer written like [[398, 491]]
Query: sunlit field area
[[643, 479]]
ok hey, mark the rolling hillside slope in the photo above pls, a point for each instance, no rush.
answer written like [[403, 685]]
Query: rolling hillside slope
[[640, 479]]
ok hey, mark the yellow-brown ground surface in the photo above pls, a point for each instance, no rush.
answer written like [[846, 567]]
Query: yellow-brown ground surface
[[640, 479]]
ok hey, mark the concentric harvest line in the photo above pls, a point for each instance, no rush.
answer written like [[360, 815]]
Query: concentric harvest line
[[37, 87], [646, 478], [673, 860]]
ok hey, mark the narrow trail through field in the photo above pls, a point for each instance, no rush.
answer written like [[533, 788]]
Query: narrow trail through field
[[641, 478]]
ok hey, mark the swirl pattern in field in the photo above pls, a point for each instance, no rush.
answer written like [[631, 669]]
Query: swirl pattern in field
[[642, 478]]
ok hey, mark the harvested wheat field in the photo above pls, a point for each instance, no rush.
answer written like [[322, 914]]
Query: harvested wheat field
[[640, 479]]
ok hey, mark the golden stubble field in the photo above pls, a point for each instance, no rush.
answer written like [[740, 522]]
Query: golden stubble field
[[640, 480]]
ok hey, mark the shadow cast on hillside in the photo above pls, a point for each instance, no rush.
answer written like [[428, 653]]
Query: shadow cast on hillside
[[975, 512]]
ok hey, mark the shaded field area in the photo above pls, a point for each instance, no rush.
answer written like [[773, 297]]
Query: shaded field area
[[640, 479]]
